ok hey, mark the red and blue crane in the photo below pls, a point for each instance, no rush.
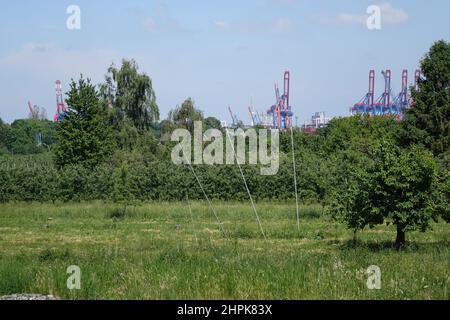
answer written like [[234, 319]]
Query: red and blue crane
[[366, 104], [61, 109], [387, 103], [281, 111]]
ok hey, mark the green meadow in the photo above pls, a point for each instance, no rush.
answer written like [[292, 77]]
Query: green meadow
[[179, 251]]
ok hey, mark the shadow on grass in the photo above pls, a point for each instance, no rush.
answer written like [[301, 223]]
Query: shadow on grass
[[120, 213], [51, 255], [380, 246]]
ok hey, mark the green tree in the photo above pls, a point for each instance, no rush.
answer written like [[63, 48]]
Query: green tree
[[427, 122], [185, 115], [5, 137], [166, 127], [442, 188], [29, 136], [396, 188], [130, 95], [85, 135], [212, 123]]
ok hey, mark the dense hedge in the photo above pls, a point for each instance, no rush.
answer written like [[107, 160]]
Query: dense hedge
[[145, 182]]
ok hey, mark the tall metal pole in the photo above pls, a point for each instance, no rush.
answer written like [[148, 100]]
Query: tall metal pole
[[371, 94]]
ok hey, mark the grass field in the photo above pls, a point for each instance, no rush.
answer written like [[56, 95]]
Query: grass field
[[166, 251]]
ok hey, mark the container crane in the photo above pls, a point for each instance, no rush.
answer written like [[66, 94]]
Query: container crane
[[281, 111], [387, 103], [61, 109], [30, 107], [234, 118], [401, 102], [384, 104], [366, 104]]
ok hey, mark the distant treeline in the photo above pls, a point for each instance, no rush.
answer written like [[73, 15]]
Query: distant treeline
[[26, 136]]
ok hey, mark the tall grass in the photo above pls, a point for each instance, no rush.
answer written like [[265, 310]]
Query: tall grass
[[160, 251]]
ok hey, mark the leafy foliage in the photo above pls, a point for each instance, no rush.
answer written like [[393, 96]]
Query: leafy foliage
[[212, 123], [26, 136], [130, 95], [144, 171], [428, 121], [4, 137], [395, 188], [185, 115], [442, 188], [84, 136]]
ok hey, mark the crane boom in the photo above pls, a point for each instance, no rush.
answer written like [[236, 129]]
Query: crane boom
[[233, 117]]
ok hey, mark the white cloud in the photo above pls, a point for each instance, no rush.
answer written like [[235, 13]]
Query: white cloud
[[53, 60], [350, 18], [38, 47], [389, 16], [29, 72]]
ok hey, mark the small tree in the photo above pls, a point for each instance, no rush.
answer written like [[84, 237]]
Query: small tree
[[396, 188], [185, 115], [84, 136], [351, 208], [212, 123]]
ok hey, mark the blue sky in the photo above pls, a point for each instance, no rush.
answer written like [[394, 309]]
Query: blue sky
[[219, 52]]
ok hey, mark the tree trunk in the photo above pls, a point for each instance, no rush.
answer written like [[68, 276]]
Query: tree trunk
[[401, 238], [355, 238]]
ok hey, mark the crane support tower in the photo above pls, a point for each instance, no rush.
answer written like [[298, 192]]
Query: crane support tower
[[384, 103], [30, 107], [61, 109], [366, 104], [401, 102], [281, 111]]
